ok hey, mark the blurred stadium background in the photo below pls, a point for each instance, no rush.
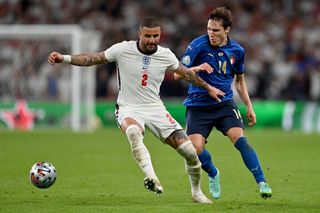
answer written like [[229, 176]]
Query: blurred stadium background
[[96, 172], [281, 37]]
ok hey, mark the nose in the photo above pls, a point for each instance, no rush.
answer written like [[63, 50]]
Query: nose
[[152, 40], [211, 33]]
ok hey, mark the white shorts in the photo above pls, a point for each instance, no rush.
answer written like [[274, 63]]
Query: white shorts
[[156, 118]]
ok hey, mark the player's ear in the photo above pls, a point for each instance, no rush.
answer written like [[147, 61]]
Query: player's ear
[[227, 30]]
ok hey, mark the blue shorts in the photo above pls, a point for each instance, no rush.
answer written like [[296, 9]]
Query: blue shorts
[[222, 116]]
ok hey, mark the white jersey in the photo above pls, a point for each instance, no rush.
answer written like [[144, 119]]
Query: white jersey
[[140, 75]]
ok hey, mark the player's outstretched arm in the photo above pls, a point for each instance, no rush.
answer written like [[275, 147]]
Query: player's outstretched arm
[[203, 67], [242, 90], [84, 59], [189, 74]]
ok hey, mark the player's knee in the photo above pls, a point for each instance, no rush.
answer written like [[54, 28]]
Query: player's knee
[[177, 137], [133, 133], [135, 137], [199, 147]]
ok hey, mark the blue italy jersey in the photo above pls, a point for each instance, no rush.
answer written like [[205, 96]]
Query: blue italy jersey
[[226, 61]]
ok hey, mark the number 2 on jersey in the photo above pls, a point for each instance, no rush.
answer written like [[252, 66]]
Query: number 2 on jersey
[[144, 80], [170, 118]]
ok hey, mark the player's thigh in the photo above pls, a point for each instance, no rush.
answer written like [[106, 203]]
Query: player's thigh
[[126, 116], [128, 121], [199, 121], [161, 123], [230, 121]]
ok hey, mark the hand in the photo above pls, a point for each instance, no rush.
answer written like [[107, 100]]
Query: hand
[[203, 67], [55, 57], [215, 93], [251, 116]]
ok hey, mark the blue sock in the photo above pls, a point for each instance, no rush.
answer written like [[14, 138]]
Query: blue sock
[[250, 158], [207, 165]]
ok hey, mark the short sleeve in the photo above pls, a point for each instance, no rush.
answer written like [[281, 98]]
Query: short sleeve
[[190, 54], [174, 62], [239, 64], [113, 52]]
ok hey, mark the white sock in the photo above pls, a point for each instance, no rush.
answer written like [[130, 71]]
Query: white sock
[[140, 151], [193, 165]]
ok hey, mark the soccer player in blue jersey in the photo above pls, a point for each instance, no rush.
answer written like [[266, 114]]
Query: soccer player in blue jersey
[[203, 112]]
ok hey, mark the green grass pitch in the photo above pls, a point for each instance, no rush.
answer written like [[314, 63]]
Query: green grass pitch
[[97, 173]]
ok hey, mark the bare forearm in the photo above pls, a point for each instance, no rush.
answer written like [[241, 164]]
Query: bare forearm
[[189, 75], [88, 59], [246, 99], [242, 90]]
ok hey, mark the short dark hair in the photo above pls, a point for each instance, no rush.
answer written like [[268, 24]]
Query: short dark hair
[[221, 14], [150, 22]]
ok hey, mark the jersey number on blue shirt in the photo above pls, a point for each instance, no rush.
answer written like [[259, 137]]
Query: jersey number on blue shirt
[[223, 67]]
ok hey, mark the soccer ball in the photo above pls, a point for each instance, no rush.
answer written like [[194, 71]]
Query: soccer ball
[[43, 175]]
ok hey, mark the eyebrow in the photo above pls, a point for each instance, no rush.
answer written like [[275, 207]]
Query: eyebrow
[[213, 29], [153, 35]]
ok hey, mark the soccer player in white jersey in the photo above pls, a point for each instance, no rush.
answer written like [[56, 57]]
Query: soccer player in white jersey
[[141, 68]]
